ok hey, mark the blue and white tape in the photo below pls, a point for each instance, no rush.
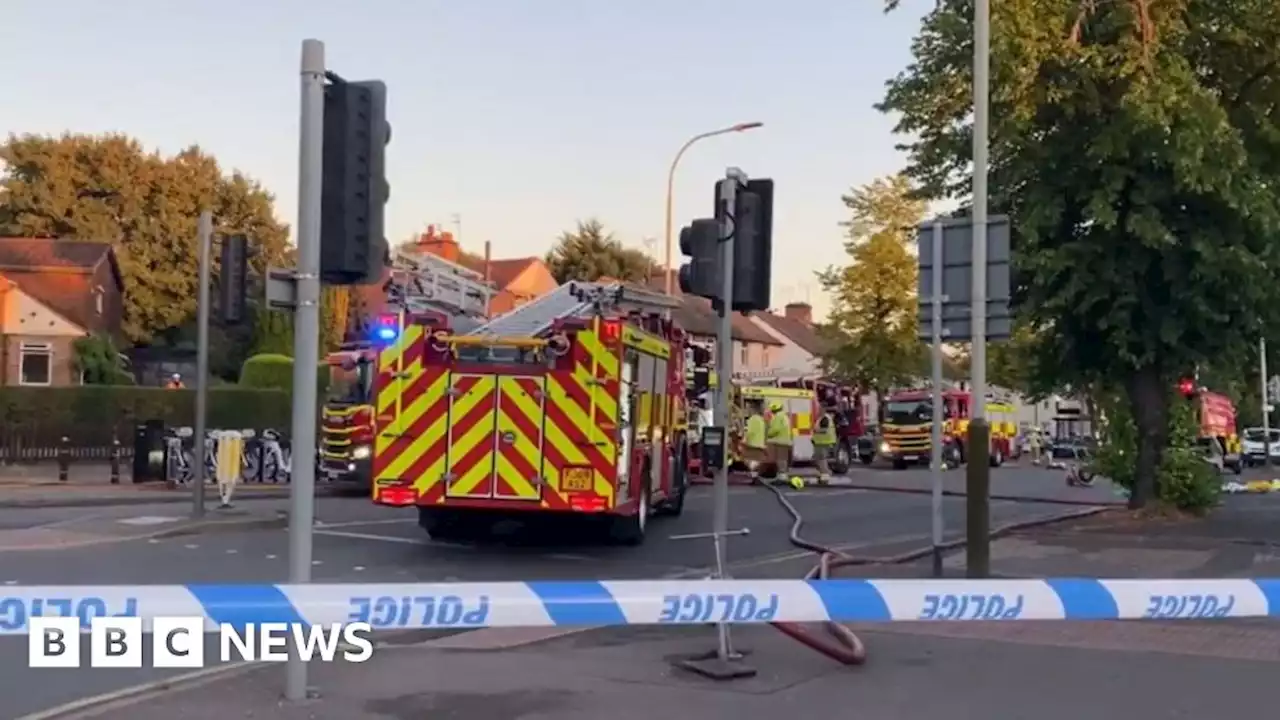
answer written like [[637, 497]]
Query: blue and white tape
[[651, 602]]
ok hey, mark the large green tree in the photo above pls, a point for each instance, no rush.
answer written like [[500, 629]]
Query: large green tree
[[108, 188], [1136, 147], [873, 313], [590, 252]]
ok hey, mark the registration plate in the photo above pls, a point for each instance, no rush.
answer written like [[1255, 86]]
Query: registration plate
[[910, 457], [578, 479]]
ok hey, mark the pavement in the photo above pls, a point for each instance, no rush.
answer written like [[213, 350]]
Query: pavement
[[89, 485], [538, 674]]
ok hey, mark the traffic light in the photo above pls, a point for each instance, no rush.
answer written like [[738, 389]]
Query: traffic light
[[700, 242], [753, 246], [233, 278], [353, 247]]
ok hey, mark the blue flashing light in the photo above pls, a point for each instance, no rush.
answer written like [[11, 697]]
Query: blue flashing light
[[387, 328]]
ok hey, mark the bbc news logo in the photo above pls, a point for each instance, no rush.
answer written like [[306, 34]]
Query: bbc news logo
[[179, 642]]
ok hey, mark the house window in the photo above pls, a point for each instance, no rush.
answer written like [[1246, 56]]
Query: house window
[[764, 356], [744, 354], [97, 299], [37, 363]]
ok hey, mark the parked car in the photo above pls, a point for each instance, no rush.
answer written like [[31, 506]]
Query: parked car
[[1256, 448]]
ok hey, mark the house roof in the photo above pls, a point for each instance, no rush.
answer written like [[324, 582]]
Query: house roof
[[55, 255], [57, 273], [805, 336], [501, 272], [697, 317]]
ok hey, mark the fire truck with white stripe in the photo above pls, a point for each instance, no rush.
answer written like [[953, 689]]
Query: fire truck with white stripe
[[414, 283], [572, 405]]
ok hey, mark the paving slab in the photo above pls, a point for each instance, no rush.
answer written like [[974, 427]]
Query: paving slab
[[627, 675]]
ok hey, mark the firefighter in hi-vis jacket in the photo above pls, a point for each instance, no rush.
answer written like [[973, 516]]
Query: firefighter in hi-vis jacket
[[779, 438], [824, 443]]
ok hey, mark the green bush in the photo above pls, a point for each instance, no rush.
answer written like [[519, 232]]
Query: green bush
[[267, 371], [92, 415], [272, 371], [1184, 480]]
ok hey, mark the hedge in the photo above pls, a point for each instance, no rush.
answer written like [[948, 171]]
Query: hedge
[[92, 415], [274, 371]]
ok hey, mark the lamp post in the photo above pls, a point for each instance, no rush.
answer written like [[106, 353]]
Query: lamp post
[[671, 181]]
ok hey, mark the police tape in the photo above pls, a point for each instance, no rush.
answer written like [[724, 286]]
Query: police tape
[[649, 602]]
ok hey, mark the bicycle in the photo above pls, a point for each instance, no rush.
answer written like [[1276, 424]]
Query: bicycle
[[1078, 473], [277, 461], [180, 461]]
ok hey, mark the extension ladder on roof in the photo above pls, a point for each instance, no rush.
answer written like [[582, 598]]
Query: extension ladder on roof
[[575, 299], [427, 282]]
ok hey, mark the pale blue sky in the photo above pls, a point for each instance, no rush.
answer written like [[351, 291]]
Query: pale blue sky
[[519, 116]]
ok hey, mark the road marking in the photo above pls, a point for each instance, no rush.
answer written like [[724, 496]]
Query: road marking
[[191, 546], [380, 538], [797, 555], [271, 557], [134, 694], [357, 523]]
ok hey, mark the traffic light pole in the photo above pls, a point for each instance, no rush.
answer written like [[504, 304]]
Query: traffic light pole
[[724, 371], [306, 332], [978, 472]]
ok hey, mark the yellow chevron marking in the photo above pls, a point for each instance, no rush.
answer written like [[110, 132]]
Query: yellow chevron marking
[[461, 443], [434, 394]]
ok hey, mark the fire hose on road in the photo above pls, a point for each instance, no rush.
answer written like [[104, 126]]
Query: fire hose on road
[[845, 646]]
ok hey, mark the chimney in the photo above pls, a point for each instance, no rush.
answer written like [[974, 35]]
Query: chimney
[[800, 312], [440, 244]]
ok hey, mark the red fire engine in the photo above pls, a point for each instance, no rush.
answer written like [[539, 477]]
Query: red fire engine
[[572, 404]]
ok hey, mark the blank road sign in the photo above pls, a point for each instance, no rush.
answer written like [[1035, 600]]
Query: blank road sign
[[957, 259]]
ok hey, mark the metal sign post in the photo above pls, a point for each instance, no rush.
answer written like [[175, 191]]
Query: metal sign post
[[947, 291], [204, 239], [1266, 403], [306, 334], [936, 456]]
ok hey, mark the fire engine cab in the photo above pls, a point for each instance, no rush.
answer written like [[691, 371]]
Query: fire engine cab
[[572, 405]]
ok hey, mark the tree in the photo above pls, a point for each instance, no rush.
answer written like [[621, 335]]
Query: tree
[[873, 315], [589, 252], [108, 188], [98, 362], [1136, 152]]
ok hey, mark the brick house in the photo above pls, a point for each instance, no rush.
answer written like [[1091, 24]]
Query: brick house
[[51, 293], [802, 347], [754, 349], [517, 280]]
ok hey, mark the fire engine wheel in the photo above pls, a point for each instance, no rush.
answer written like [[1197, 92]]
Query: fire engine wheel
[[442, 524], [997, 457], [842, 460], [630, 529], [674, 505]]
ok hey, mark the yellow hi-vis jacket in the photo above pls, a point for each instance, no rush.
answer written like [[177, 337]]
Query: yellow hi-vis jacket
[[755, 432], [780, 429], [825, 434]]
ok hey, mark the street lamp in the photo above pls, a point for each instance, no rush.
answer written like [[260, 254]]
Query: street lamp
[[671, 180]]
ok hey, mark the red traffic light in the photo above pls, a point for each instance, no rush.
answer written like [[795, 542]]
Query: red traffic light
[[1187, 387]]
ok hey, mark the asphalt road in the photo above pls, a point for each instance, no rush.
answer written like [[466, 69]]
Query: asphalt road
[[358, 542]]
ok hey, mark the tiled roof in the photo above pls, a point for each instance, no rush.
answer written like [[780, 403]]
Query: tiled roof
[[805, 336], [501, 272], [697, 317], [57, 273]]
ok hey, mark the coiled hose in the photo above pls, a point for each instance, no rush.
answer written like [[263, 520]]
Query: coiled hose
[[848, 648]]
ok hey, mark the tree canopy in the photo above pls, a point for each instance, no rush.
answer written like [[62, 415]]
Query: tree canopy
[[590, 252], [873, 313], [109, 189], [1136, 151]]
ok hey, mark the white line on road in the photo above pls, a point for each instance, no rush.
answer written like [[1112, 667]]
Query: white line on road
[[376, 538], [321, 526]]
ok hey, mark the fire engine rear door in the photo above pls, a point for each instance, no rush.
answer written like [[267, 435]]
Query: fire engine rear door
[[473, 402], [518, 459]]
